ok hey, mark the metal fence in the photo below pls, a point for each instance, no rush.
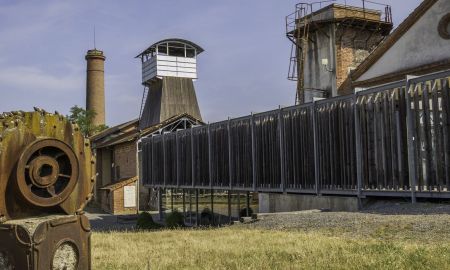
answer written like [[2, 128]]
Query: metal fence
[[386, 141]]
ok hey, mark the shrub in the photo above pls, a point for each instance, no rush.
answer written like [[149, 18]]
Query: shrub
[[243, 212], [145, 222], [206, 217], [175, 219]]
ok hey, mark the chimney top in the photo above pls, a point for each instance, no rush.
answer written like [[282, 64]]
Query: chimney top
[[95, 54]]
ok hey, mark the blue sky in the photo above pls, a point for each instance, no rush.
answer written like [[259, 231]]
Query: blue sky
[[243, 68]]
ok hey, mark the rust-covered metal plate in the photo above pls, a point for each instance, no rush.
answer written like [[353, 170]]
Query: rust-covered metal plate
[[45, 165], [50, 242]]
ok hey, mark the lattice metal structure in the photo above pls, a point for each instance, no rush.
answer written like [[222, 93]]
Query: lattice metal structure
[[385, 141]]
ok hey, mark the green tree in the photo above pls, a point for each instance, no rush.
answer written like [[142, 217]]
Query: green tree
[[84, 119]]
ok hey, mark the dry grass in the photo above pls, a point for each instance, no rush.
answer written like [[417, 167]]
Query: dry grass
[[240, 247]]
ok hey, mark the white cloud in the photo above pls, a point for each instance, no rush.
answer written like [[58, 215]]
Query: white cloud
[[31, 77]]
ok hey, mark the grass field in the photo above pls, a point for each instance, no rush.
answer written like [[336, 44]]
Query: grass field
[[378, 242]]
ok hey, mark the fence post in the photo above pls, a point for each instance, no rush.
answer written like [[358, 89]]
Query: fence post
[[280, 129], [160, 204], [252, 129], [411, 143], [197, 214], [358, 147], [316, 149], [164, 158], [209, 157], [230, 169], [152, 162], [192, 159], [177, 159]]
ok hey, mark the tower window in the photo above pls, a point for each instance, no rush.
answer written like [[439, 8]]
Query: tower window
[[190, 52], [162, 49], [176, 51]]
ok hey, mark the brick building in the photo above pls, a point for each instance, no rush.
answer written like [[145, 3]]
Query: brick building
[[119, 197], [116, 153]]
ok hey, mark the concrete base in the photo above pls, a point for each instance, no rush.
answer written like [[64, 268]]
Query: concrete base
[[271, 203]]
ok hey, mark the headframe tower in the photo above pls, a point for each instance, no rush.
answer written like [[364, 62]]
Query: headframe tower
[[169, 68]]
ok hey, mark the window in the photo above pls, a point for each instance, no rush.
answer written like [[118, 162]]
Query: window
[[162, 49], [190, 52]]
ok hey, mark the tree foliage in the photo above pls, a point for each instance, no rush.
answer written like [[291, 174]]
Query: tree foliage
[[84, 119]]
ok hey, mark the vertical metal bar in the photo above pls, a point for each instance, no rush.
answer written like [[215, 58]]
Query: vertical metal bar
[[197, 215], [445, 131], [209, 157], [252, 130], [139, 167], [230, 160], [190, 206], [164, 159], [358, 143], [177, 159], [212, 207], [248, 204], [239, 204], [230, 219], [160, 204], [411, 142], [427, 135], [152, 163], [436, 157], [281, 144], [171, 199], [184, 203], [316, 149], [192, 159]]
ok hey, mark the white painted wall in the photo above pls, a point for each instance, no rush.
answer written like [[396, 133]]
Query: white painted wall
[[420, 45], [164, 65]]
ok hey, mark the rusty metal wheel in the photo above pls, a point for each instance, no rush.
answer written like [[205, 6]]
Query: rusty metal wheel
[[47, 172]]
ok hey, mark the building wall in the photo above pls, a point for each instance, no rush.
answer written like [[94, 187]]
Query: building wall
[[112, 201], [352, 47], [106, 166], [316, 77], [118, 201], [419, 46], [105, 200], [122, 156], [125, 160], [344, 47]]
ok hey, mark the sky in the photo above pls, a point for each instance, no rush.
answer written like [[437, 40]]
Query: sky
[[243, 69]]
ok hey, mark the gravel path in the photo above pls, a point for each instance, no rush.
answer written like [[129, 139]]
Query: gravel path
[[101, 221], [423, 222]]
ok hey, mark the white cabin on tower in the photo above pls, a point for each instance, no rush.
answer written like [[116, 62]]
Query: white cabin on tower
[[172, 57]]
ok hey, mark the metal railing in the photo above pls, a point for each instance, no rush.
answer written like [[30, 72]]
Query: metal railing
[[386, 141]]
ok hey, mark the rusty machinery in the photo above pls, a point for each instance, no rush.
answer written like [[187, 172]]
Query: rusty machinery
[[45, 170]]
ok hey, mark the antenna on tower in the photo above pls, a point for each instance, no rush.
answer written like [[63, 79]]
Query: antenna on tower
[[95, 47]]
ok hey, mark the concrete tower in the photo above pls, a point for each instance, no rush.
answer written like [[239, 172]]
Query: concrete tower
[[168, 70], [95, 85]]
